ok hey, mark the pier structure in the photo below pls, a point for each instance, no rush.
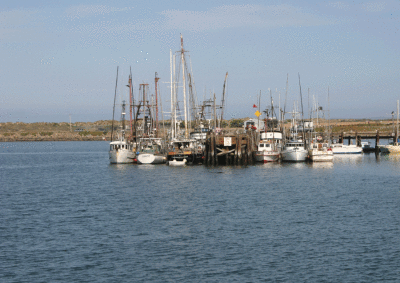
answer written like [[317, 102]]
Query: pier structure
[[358, 137], [230, 149]]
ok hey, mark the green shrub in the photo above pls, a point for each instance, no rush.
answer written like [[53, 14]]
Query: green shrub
[[84, 133]]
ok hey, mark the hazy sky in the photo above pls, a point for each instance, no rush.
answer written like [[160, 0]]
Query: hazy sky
[[59, 58]]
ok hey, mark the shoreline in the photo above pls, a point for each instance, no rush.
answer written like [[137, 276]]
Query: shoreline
[[56, 137]]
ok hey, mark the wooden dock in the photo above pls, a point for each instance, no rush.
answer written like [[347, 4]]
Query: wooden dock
[[230, 149]]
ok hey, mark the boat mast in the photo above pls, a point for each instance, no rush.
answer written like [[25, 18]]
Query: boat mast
[[130, 100], [156, 83], [302, 113], [115, 95], [397, 129], [223, 98], [175, 92], [123, 120], [329, 120], [284, 108], [172, 96], [184, 86]]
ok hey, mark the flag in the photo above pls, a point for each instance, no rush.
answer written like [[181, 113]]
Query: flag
[[254, 106]]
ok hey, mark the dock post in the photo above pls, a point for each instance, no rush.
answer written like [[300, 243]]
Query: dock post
[[212, 149], [377, 142], [236, 150], [246, 148], [213, 154]]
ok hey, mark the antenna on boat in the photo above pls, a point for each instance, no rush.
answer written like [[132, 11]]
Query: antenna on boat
[[115, 95]]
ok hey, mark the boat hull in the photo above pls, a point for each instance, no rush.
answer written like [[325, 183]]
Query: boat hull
[[320, 156], [266, 156], [121, 156], [177, 163], [389, 149], [298, 155], [149, 158], [346, 149]]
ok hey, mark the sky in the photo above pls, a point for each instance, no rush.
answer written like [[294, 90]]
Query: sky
[[59, 59]]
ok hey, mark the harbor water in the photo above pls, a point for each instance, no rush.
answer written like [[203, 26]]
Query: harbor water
[[67, 215]]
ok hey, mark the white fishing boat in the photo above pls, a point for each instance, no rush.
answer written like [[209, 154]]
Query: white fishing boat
[[269, 148], [320, 152], [150, 151], [121, 151], [294, 151], [340, 148]]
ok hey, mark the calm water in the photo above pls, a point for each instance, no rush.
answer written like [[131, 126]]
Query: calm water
[[67, 215]]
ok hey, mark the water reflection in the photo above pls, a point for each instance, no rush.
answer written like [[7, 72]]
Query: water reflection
[[391, 157], [297, 165], [348, 158], [322, 165], [147, 166]]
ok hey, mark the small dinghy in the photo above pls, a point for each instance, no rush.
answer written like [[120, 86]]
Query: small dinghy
[[177, 163]]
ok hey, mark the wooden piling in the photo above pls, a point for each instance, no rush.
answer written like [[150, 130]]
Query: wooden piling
[[377, 142]]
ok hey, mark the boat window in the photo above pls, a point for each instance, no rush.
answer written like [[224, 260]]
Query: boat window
[[267, 145], [261, 145]]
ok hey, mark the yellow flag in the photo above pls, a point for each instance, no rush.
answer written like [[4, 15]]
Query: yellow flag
[[258, 113]]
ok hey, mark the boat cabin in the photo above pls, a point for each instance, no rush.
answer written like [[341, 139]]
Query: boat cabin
[[117, 145], [294, 144]]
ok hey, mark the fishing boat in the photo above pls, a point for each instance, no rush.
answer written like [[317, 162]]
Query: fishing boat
[[340, 148], [320, 152], [294, 151], [186, 149], [269, 148], [150, 151], [121, 150]]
